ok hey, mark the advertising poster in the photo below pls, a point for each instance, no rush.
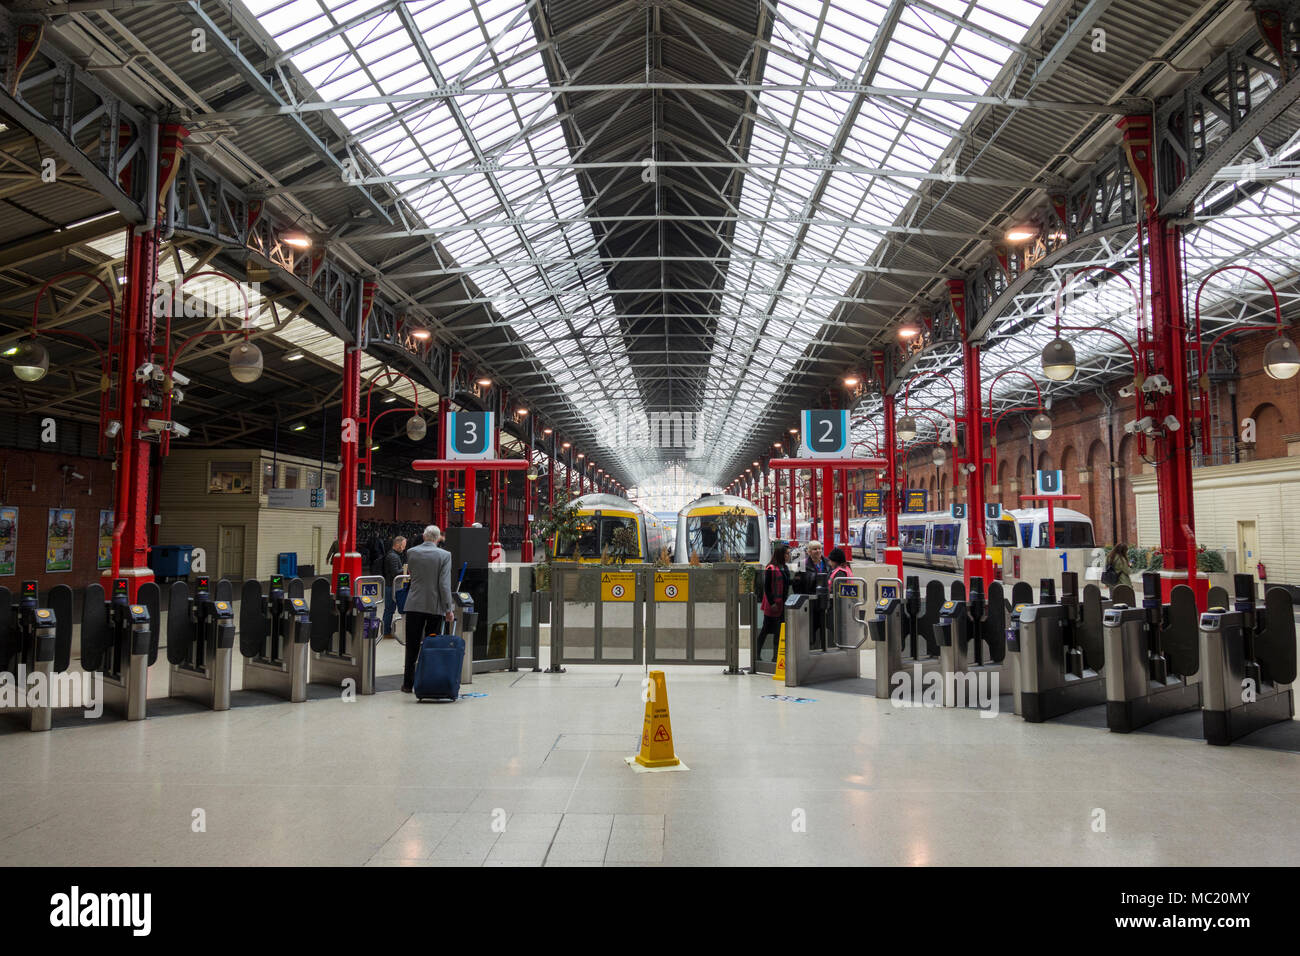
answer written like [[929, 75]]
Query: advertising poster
[[58, 539], [8, 541], [105, 539]]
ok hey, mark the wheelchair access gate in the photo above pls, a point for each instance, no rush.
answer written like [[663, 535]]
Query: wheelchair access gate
[[634, 614]]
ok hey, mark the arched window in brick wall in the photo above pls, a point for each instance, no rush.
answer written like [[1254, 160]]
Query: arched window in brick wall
[[1098, 487], [1268, 432]]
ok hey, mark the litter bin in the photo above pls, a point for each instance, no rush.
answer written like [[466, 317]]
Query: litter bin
[[287, 564], [170, 560]]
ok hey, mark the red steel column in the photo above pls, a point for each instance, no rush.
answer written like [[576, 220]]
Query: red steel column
[[348, 559], [977, 561], [1172, 450], [794, 516], [131, 521], [844, 509], [440, 509], [526, 549], [776, 480], [893, 553], [828, 509]]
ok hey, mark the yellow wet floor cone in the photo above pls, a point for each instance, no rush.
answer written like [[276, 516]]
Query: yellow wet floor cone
[[656, 731], [779, 673]]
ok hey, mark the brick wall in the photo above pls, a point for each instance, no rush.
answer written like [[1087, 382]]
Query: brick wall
[[20, 468]]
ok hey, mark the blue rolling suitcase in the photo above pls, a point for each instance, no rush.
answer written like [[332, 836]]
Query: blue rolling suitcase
[[437, 669]]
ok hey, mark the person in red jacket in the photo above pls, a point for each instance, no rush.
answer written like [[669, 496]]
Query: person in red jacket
[[776, 585]]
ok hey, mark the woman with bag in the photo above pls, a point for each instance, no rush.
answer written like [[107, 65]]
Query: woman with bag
[[776, 585], [1117, 568]]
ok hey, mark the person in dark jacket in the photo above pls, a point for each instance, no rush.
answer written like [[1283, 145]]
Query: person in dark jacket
[[390, 568], [776, 585], [816, 562]]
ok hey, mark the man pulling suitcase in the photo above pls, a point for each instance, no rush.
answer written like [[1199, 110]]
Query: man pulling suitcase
[[427, 601]]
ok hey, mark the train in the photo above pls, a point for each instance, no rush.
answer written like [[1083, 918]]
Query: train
[[602, 515], [936, 539], [698, 531]]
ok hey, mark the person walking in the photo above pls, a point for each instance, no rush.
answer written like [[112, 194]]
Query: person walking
[[428, 599], [1117, 567], [776, 585], [390, 569]]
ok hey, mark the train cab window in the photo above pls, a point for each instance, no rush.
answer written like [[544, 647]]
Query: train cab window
[[594, 537], [706, 536], [1069, 534], [1002, 534]]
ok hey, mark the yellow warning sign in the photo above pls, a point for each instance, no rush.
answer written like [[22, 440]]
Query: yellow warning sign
[[672, 586], [656, 731], [780, 657], [618, 586]]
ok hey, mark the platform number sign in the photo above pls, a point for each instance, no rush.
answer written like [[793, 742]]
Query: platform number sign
[[959, 511], [825, 433], [469, 436], [993, 510], [1049, 483], [365, 497]]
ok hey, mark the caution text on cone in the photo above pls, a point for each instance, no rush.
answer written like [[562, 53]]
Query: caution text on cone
[[657, 731], [779, 673]]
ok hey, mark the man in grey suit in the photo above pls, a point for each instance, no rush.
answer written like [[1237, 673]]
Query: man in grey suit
[[429, 596]]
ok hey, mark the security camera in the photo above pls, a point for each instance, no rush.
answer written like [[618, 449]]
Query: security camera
[[1158, 384], [1127, 391], [145, 372], [113, 428], [156, 425], [179, 379], [178, 395], [1171, 423], [179, 430], [1145, 425]]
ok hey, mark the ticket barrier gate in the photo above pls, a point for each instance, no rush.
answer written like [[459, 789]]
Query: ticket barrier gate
[[201, 642], [345, 631], [1248, 662], [1060, 651], [34, 640], [815, 649], [275, 638], [902, 630], [1152, 657], [971, 634], [119, 639]]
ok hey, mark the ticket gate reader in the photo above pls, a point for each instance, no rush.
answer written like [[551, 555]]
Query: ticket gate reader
[[902, 631], [1060, 652], [1248, 663], [120, 640], [464, 621], [1152, 657], [810, 656], [275, 638], [35, 644], [201, 642], [345, 630]]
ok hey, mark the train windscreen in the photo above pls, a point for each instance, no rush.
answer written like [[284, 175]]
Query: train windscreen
[[1002, 533], [706, 536], [1069, 534], [594, 536]]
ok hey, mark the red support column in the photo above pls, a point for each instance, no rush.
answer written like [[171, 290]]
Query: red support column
[[776, 480], [443, 506], [348, 559], [978, 563], [794, 517], [844, 512], [828, 509], [893, 553], [530, 488], [135, 347], [1166, 347]]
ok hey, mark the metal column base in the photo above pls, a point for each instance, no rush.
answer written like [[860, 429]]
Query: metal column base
[[35, 717], [209, 686], [1078, 692], [287, 679], [1222, 727], [1124, 716], [129, 693]]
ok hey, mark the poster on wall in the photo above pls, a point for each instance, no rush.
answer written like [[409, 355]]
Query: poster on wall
[[105, 539], [58, 539], [8, 541]]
